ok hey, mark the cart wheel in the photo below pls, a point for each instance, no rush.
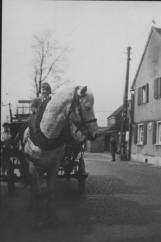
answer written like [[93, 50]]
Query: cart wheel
[[81, 176]]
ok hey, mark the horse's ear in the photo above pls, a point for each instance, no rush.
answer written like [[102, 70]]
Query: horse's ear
[[83, 90]]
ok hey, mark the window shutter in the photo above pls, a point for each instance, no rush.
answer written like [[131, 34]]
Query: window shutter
[[135, 133], [154, 132], [139, 95], [147, 92], [156, 88], [145, 133], [159, 87]]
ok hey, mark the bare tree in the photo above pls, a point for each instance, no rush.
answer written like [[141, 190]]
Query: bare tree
[[49, 60]]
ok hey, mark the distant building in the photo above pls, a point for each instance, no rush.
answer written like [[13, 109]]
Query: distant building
[[99, 145], [146, 138], [114, 122], [102, 143]]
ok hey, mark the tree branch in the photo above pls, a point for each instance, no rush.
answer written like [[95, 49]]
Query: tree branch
[[45, 63], [53, 63]]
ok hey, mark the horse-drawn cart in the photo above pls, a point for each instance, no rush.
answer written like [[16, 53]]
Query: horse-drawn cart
[[53, 145], [11, 169], [12, 162]]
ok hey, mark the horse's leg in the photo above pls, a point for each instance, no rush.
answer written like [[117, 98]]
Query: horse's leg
[[43, 201], [51, 209], [24, 169], [10, 176], [39, 199], [34, 187], [33, 198], [37, 202]]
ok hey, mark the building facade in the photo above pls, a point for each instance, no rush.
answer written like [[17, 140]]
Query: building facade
[[113, 128], [146, 136]]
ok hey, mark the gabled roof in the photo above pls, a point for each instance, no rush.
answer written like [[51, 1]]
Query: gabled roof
[[116, 112], [158, 30]]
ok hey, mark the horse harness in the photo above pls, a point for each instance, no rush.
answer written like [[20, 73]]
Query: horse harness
[[81, 126]]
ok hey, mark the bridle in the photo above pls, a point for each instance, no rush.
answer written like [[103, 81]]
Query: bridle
[[81, 125]]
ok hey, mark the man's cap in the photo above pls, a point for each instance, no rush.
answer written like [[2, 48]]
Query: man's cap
[[46, 86]]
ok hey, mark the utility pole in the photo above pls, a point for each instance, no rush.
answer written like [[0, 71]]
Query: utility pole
[[124, 123]]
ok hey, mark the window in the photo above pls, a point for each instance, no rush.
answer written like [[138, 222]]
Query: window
[[158, 133], [157, 88], [143, 94], [140, 135]]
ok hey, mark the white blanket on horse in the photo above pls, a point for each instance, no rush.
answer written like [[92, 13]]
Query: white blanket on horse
[[56, 111], [35, 152], [29, 147]]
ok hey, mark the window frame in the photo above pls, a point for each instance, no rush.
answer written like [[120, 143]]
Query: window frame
[[143, 94], [140, 136], [158, 133], [157, 88]]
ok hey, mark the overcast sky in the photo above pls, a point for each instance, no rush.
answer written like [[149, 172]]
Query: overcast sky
[[98, 34]]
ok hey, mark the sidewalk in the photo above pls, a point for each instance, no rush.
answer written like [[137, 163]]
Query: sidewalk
[[107, 155]]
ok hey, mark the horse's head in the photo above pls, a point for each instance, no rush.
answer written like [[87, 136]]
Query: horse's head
[[82, 117]]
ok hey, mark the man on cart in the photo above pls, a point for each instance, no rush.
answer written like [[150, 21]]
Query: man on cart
[[37, 107]]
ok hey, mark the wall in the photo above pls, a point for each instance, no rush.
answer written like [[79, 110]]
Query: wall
[[96, 146], [151, 111], [150, 69], [148, 149]]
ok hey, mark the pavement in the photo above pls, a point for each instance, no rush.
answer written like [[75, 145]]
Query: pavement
[[121, 203]]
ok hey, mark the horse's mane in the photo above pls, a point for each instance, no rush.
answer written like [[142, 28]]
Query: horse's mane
[[55, 114]]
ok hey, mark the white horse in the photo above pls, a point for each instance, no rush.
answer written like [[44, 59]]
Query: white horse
[[68, 115]]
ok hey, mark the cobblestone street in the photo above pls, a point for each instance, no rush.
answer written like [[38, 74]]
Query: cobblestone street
[[122, 202]]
